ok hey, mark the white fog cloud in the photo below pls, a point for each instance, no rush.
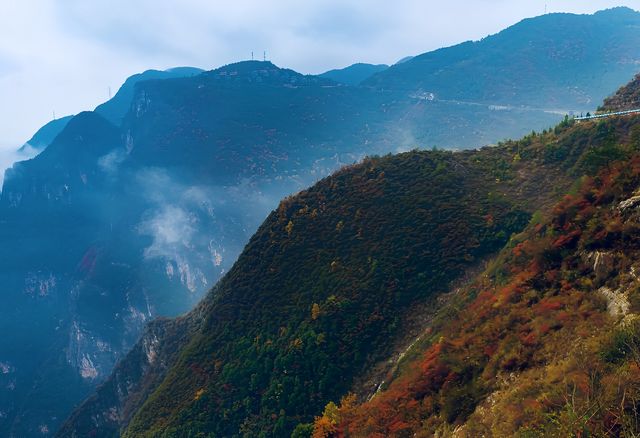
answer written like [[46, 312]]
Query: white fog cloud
[[110, 162], [172, 229]]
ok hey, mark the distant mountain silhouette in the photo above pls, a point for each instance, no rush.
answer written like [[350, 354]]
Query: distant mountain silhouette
[[113, 110], [45, 135], [116, 108], [354, 74]]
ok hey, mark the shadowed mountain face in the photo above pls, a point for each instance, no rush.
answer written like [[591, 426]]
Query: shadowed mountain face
[[121, 220], [116, 108]]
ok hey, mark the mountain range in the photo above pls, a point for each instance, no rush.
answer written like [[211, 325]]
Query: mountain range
[[557, 52], [136, 210]]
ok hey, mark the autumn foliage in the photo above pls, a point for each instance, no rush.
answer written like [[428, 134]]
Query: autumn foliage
[[533, 334]]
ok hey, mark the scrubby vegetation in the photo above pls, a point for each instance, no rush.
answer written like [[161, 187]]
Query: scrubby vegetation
[[545, 344], [627, 98]]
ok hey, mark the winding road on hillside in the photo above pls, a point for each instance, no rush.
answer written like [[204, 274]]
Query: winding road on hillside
[[432, 97], [605, 115], [428, 96]]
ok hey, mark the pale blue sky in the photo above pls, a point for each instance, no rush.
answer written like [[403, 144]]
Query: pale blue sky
[[63, 55]]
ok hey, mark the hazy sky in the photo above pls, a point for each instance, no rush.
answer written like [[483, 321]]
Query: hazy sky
[[62, 55]]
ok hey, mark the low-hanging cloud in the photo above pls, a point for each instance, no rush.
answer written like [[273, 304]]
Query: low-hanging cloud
[[172, 229], [188, 222], [9, 155], [110, 162], [167, 222]]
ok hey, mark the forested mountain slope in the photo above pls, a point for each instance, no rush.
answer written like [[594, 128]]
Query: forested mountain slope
[[219, 387], [546, 342]]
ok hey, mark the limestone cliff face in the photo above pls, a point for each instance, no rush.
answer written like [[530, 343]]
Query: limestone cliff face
[[132, 380]]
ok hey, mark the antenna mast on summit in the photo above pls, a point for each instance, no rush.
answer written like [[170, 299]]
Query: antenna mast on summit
[[264, 56]]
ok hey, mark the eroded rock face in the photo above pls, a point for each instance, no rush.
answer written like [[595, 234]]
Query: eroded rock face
[[630, 203], [122, 394], [617, 301], [150, 345], [88, 355], [601, 262]]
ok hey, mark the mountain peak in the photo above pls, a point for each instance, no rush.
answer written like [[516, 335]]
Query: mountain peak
[[620, 11], [87, 129], [249, 65], [264, 72], [116, 108], [244, 68]]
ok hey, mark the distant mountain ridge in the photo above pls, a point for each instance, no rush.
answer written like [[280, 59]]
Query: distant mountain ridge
[[157, 208], [542, 62], [354, 74], [114, 110]]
